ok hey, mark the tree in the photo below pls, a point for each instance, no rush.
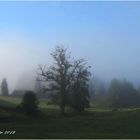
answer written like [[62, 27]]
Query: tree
[[4, 87], [29, 104], [63, 76]]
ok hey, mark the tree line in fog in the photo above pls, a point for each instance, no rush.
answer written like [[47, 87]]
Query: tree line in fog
[[68, 83]]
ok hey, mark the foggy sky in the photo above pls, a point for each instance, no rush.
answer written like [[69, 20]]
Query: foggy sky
[[105, 33]]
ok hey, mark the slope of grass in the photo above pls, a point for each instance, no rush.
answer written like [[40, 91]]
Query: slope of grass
[[9, 102]]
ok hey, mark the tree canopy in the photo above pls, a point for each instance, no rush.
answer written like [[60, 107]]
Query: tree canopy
[[67, 78]]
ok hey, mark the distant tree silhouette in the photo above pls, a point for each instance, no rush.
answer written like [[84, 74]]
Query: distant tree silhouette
[[62, 76], [123, 94], [4, 87]]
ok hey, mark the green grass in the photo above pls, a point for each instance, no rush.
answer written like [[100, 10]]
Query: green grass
[[11, 99], [94, 123], [89, 125], [10, 102]]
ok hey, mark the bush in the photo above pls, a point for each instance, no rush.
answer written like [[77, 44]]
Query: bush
[[29, 104]]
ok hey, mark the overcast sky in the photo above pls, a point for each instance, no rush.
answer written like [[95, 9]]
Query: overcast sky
[[106, 33]]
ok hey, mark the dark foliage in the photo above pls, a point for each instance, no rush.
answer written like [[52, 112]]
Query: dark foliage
[[80, 88], [79, 99], [29, 104], [123, 94]]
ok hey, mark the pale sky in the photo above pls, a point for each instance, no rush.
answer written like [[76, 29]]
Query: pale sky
[[105, 33]]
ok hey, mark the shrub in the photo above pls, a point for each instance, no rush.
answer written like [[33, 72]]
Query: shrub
[[29, 104]]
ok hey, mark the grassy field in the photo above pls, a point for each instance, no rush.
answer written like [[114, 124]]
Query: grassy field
[[94, 123]]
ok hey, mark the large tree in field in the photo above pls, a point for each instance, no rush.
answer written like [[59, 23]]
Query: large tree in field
[[4, 87], [65, 77]]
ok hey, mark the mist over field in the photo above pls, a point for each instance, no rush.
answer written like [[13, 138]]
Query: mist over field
[[68, 67], [105, 33]]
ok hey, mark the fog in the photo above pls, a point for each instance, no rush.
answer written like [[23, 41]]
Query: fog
[[20, 57], [107, 37]]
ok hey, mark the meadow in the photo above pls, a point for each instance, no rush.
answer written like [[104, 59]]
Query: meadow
[[93, 123]]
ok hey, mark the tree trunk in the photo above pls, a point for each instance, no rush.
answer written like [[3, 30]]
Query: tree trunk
[[63, 103]]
